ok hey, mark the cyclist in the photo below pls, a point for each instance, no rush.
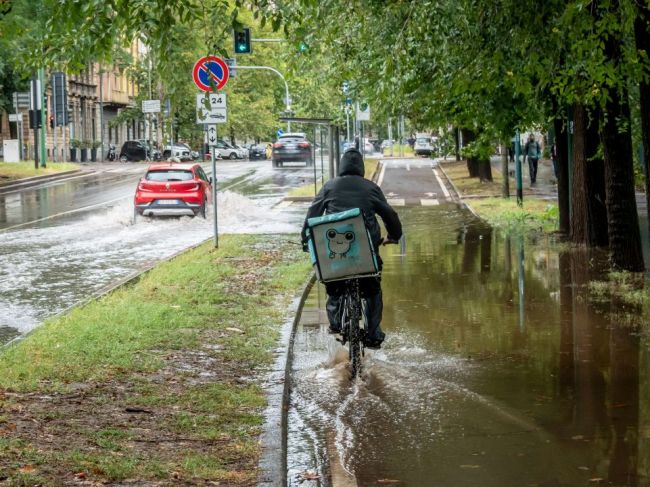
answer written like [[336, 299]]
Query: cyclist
[[351, 190]]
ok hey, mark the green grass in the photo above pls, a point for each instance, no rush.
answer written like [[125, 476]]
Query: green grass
[[149, 345], [25, 169], [308, 189], [535, 214], [457, 172]]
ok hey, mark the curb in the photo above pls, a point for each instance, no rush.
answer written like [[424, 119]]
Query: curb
[[274, 438], [35, 180], [461, 201]]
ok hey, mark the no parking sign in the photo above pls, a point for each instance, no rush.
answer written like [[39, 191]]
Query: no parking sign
[[210, 73]]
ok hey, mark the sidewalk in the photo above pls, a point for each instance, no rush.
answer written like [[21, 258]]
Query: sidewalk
[[545, 187]]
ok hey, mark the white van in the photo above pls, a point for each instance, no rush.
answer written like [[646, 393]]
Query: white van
[[423, 144]]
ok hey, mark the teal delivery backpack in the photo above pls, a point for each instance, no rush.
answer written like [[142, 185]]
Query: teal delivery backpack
[[340, 246]]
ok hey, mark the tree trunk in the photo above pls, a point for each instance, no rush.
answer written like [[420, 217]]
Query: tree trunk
[[485, 170], [589, 220], [622, 217], [642, 37], [472, 162], [562, 171], [457, 143], [505, 186]]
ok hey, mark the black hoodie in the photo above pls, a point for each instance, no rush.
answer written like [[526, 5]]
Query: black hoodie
[[351, 190]]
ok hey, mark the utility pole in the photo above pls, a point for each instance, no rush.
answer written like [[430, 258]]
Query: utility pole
[[41, 95], [101, 113], [520, 184]]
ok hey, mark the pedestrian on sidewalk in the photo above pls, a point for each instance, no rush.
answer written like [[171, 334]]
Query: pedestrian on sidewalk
[[532, 152]]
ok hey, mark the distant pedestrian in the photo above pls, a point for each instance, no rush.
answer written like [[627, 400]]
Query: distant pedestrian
[[532, 152], [554, 158]]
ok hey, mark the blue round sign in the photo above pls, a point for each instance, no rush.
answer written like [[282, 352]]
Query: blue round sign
[[210, 71], [280, 132]]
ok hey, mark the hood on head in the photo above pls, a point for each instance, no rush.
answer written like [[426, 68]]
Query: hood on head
[[352, 164]]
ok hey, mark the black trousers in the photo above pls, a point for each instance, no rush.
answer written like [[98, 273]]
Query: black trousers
[[370, 288]]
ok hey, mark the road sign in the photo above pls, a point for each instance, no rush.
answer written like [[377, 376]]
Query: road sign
[[150, 106], [21, 100], [16, 117], [363, 112], [232, 66], [280, 133], [211, 108], [211, 135], [210, 73], [346, 87]]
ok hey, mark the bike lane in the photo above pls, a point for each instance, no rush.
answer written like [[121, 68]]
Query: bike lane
[[474, 385]]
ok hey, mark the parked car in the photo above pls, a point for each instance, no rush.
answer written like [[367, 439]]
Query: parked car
[[173, 189], [227, 151], [243, 151], [423, 144], [179, 151], [257, 152], [291, 148], [138, 150]]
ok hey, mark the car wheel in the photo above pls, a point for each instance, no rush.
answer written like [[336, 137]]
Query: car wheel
[[202, 209], [233, 156], [275, 163], [124, 159]]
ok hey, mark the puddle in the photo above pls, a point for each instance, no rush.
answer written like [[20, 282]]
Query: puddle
[[475, 385]]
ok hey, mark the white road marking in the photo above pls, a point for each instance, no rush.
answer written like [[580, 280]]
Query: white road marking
[[408, 166], [442, 186], [396, 202], [429, 202], [381, 174]]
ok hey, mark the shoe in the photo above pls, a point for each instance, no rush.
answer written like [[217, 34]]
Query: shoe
[[372, 344], [334, 331]]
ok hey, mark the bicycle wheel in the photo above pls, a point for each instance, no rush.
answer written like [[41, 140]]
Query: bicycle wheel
[[353, 315]]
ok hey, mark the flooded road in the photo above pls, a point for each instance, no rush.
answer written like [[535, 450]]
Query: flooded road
[[65, 241], [497, 371]]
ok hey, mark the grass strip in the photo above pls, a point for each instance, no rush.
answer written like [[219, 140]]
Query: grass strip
[[370, 165], [458, 173], [158, 381], [534, 215], [10, 171]]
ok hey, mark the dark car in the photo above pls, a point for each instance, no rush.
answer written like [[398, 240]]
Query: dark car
[[138, 150], [257, 152], [292, 148]]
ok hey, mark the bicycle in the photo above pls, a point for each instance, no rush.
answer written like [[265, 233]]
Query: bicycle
[[353, 330], [353, 321]]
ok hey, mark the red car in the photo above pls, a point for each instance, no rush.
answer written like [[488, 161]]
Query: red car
[[173, 189]]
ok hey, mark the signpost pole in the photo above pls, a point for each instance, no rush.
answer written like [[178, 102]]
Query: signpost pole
[[214, 196]]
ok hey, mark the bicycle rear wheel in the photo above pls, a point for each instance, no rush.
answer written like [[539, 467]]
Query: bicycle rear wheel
[[353, 316]]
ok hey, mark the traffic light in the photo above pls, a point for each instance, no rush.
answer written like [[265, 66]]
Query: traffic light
[[243, 41], [303, 47]]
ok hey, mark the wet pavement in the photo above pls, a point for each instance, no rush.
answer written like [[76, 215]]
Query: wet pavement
[[497, 370], [65, 240]]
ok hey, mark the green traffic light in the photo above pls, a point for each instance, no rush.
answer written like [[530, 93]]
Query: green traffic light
[[241, 47]]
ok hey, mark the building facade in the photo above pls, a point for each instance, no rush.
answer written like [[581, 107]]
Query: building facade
[[95, 98]]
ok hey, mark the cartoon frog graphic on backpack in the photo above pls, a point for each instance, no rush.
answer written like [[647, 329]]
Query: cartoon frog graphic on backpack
[[339, 243]]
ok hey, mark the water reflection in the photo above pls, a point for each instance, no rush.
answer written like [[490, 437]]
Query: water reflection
[[498, 370]]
